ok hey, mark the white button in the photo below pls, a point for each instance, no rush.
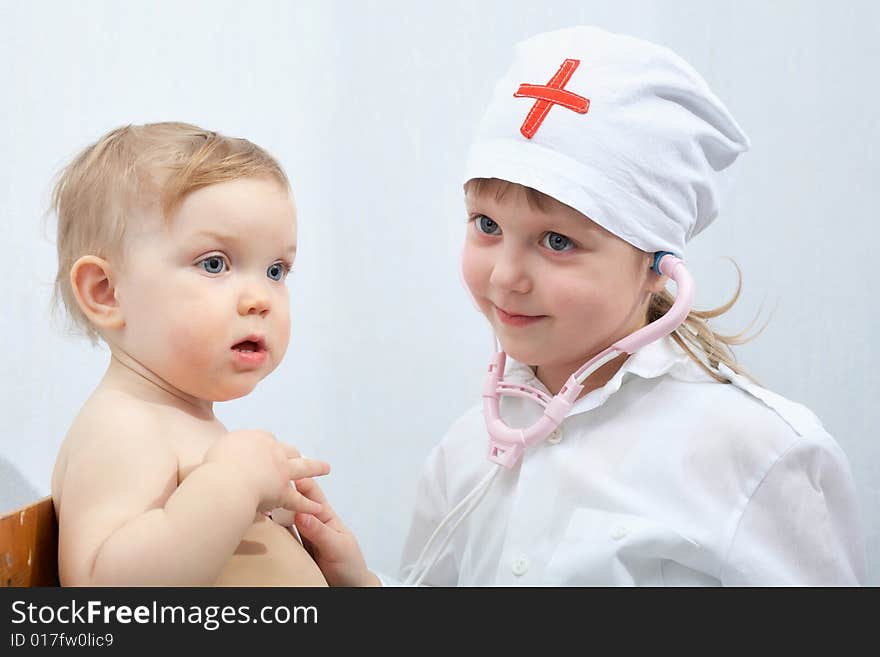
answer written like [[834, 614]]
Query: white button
[[556, 436], [520, 565], [618, 533]]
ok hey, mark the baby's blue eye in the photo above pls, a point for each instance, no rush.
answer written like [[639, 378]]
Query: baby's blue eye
[[277, 271], [487, 226], [213, 264], [557, 242]]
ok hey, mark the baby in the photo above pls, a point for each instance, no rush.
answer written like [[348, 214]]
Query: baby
[[174, 244]]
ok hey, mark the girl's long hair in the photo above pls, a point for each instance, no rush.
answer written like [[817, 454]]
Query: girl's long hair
[[700, 341]]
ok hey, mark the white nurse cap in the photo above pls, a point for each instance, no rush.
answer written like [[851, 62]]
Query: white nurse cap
[[620, 129]]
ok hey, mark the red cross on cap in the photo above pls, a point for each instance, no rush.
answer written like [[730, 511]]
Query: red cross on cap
[[550, 94]]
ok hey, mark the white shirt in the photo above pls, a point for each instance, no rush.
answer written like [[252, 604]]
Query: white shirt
[[661, 477]]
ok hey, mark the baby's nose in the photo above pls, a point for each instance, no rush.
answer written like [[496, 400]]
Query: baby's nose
[[253, 304]]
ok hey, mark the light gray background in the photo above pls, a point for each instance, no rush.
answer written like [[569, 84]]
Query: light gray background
[[369, 106]]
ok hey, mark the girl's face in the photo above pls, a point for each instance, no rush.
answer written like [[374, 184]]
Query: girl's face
[[556, 287]]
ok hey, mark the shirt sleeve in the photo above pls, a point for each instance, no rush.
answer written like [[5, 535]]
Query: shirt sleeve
[[430, 510], [801, 525]]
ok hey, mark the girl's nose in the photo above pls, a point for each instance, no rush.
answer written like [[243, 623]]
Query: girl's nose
[[510, 273]]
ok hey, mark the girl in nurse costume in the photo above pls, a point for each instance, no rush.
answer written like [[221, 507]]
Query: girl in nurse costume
[[672, 467]]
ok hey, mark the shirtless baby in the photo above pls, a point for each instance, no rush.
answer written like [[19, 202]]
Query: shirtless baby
[[174, 244]]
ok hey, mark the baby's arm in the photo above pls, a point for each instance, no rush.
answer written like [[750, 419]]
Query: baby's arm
[[125, 521]]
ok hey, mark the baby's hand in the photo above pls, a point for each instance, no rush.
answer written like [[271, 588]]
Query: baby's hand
[[331, 544], [266, 467]]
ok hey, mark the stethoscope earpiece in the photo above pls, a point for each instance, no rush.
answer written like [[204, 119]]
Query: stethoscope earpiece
[[657, 258]]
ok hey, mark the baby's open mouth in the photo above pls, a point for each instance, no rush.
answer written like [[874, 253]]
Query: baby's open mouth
[[248, 346]]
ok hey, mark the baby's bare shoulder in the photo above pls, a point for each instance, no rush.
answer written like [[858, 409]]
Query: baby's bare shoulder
[[113, 437], [116, 464], [117, 419]]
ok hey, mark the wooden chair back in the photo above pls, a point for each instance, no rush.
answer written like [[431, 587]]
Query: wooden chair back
[[29, 545]]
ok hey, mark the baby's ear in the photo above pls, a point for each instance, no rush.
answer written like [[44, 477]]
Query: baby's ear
[[93, 282]]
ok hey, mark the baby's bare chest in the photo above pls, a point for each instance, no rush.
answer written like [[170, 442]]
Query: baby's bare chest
[[190, 440], [268, 554]]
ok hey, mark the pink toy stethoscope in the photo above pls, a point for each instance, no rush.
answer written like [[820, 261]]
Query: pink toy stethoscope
[[506, 444]]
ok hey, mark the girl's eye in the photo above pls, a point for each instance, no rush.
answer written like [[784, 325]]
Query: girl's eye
[[487, 226], [278, 271], [213, 264], [557, 242]]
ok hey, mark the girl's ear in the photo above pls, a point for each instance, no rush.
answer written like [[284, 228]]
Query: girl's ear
[[92, 280], [657, 284]]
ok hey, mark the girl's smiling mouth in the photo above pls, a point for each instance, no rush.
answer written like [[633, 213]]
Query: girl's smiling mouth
[[512, 319]]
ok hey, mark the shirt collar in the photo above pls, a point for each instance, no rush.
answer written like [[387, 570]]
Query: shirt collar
[[660, 357]]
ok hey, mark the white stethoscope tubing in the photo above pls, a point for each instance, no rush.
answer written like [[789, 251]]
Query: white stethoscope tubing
[[477, 495]]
